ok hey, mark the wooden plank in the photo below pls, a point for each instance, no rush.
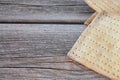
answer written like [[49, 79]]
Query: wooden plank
[[66, 11], [38, 52], [45, 2], [46, 74], [57, 62], [40, 39]]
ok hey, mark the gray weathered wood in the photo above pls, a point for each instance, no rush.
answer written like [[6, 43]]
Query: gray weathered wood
[[42, 39], [38, 52], [46, 74], [44, 2], [66, 11]]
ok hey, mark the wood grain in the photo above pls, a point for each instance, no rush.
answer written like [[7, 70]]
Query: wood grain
[[38, 52], [46, 74], [44, 11], [42, 39], [45, 2]]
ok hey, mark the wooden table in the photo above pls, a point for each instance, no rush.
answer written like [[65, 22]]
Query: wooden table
[[35, 36]]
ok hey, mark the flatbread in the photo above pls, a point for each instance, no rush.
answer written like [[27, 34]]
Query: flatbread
[[90, 19], [98, 48], [109, 6]]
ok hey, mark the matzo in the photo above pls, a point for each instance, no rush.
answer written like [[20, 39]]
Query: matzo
[[91, 19], [109, 6], [98, 48]]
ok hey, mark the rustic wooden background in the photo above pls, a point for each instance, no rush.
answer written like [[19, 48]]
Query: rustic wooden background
[[35, 36]]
